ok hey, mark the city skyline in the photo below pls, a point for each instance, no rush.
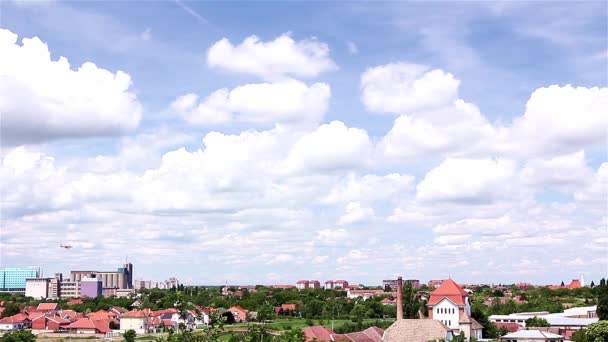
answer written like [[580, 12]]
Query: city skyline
[[337, 141]]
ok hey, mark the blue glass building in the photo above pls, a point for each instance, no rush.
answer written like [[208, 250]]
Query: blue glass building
[[12, 279]]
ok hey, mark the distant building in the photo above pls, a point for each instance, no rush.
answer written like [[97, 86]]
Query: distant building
[[390, 283], [55, 286], [302, 284], [91, 287], [532, 336], [329, 284], [435, 283], [415, 283], [122, 278], [364, 294], [314, 284], [37, 288], [340, 284], [12, 279], [148, 284], [70, 289]]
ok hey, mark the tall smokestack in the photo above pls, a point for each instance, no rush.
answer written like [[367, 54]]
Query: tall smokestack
[[399, 298]]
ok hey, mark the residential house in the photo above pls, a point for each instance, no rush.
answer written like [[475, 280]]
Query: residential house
[[318, 333], [49, 323], [88, 326], [18, 321], [135, 320], [532, 336], [417, 330], [329, 284], [388, 301], [289, 307], [239, 313], [450, 305], [314, 284]]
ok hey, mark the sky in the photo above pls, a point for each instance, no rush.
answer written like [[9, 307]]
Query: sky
[[267, 142]]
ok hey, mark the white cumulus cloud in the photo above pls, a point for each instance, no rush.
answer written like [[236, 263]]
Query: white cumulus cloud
[[273, 59], [43, 99], [287, 101]]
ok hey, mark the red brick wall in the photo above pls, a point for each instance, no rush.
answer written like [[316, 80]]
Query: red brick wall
[[39, 324]]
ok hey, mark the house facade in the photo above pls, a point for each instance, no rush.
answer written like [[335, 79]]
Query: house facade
[[450, 304], [134, 320]]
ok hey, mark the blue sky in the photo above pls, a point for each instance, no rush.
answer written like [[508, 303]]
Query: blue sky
[[422, 139]]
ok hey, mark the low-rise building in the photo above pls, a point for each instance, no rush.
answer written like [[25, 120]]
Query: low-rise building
[[364, 294], [532, 336], [134, 320], [88, 326], [239, 313], [15, 322]]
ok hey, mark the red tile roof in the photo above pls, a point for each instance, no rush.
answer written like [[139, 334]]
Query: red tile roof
[[47, 306], [168, 323], [135, 314], [18, 318], [574, 284], [450, 290], [512, 327], [75, 301], [318, 332], [83, 323]]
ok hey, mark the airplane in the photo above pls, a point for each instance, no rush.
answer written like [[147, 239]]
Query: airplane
[[65, 246]]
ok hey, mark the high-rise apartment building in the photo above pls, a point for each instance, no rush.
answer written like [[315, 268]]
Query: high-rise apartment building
[[12, 279]]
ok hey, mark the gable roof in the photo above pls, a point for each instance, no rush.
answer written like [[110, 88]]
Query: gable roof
[[448, 289], [135, 314], [17, 318], [371, 334], [415, 330], [83, 323], [318, 332], [47, 306]]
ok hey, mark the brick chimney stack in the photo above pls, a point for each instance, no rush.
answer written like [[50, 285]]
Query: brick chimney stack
[[399, 298]]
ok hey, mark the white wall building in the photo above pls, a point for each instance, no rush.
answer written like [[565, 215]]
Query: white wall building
[[37, 288]]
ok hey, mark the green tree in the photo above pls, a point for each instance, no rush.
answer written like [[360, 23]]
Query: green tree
[[537, 322], [479, 314], [10, 309], [411, 303], [602, 300], [18, 336], [597, 332], [265, 313], [502, 331], [129, 335], [290, 336]]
